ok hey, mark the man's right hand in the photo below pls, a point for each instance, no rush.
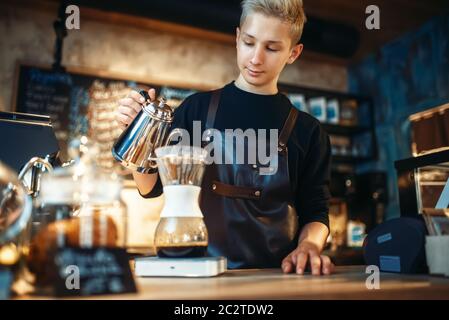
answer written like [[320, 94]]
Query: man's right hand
[[130, 106]]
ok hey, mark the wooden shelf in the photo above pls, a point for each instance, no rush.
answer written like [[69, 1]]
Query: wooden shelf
[[365, 129]]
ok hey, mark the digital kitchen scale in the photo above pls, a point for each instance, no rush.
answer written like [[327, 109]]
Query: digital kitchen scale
[[179, 267]]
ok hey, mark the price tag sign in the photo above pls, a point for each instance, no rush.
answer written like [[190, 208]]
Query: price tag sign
[[96, 271]]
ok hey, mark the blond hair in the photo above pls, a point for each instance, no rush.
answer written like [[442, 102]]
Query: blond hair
[[290, 11]]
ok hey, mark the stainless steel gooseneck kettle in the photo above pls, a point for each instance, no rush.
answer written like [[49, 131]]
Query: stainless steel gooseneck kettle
[[135, 148]]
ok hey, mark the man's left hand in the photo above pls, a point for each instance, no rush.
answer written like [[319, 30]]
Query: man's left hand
[[307, 252]]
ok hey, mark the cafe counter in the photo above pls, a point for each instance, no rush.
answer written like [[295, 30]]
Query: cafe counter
[[348, 282]]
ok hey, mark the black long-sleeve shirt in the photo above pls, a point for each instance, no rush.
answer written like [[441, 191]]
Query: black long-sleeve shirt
[[308, 147]]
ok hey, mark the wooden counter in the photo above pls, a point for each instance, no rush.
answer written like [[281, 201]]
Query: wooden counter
[[347, 283]]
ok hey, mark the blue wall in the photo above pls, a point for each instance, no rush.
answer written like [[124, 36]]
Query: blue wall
[[406, 76]]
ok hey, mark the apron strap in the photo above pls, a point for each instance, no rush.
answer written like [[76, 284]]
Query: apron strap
[[213, 106], [288, 128], [283, 136]]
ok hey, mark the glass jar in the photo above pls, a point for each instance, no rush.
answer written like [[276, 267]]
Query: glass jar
[[15, 217], [79, 206]]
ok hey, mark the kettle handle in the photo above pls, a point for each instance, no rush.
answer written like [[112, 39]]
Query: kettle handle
[[173, 133], [144, 94]]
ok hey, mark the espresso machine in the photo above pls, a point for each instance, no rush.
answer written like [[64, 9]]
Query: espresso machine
[[181, 236]]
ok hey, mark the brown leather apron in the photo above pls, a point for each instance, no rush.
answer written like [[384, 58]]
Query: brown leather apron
[[250, 217]]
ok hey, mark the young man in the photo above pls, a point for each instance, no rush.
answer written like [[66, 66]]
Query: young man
[[278, 220]]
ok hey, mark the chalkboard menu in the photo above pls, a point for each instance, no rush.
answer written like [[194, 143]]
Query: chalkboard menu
[[82, 103], [95, 271]]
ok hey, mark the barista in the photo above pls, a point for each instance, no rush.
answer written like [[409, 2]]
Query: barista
[[258, 221]]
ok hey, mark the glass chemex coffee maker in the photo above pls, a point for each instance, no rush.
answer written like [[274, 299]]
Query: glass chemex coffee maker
[[181, 231], [181, 236]]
